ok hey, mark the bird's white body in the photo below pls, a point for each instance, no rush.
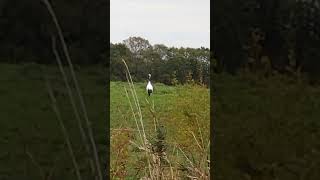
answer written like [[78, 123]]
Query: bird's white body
[[149, 86]]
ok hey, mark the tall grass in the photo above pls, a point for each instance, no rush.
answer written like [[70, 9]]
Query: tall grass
[[81, 115], [153, 146]]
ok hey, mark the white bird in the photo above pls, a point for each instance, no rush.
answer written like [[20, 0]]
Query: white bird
[[149, 87]]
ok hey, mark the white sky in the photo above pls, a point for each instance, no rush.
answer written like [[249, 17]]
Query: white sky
[[170, 22]]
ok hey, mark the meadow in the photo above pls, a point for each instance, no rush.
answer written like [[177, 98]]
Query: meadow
[[265, 128], [176, 118], [32, 143]]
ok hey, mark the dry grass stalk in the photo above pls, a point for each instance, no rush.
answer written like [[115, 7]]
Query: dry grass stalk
[[64, 130], [78, 90], [145, 143], [72, 100], [42, 174]]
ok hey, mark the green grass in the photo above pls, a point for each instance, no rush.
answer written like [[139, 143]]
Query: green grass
[[28, 123], [265, 128], [177, 108]]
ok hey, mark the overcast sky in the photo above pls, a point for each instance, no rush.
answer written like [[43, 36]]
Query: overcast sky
[[170, 22]]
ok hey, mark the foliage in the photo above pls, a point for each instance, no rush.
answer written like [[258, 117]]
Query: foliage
[[167, 65], [284, 32]]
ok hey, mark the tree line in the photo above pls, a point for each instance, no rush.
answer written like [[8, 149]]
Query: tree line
[[271, 36], [26, 29], [168, 65]]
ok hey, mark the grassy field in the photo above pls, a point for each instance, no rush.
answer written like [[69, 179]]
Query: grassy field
[[31, 140], [178, 111], [265, 128]]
